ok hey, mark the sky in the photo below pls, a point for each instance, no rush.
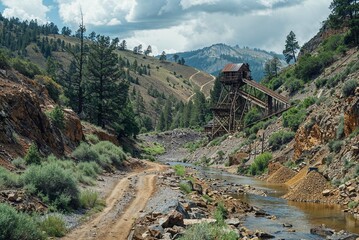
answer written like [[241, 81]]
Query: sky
[[182, 25]]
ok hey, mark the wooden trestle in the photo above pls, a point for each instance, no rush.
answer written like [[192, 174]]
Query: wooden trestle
[[239, 94]]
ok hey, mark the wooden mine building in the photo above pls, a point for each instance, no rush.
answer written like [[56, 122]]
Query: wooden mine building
[[239, 94]]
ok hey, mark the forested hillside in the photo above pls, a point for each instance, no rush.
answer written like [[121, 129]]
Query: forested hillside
[[100, 79]]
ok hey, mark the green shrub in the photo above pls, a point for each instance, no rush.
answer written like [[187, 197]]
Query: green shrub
[[14, 225], [217, 141], [53, 88], [109, 153], [155, 149], [277, 139], [293, 118], [89, 169], [220, 214], [19, 162], [185, 187], [207, 231], [260, 163], [321, 82], [8, 179], [90, 199], [92, 138], [57, 117], [252, 116], [53, 226], [293, 85], [335, 146], [179, 170], [349, 88], [307, 102], [340, 129], [25, 67], [53, 184], [328, 160], [353, 204], [32, 156], [84, 153], [4, 63]]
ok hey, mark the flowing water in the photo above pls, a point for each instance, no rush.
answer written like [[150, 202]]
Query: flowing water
[[302, 216]]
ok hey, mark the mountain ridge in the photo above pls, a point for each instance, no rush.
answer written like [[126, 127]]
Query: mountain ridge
[[213, 58]]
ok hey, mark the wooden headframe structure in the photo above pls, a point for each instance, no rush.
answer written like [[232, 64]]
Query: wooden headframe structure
[[239, 94]]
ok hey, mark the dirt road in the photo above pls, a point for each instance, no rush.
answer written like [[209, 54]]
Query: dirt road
[[202, 86], [116, 220]]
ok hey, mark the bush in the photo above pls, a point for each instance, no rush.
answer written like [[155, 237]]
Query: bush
[[220, 214], [260, 163], [4, 63], [89, 169], [57, 117], [252, 116], [109, 153], [277, 139], [293, 85], [353, 204], [206, 231], [33, 155], [293, 118], [16, 225], [92, 138], [53, 226], [8, 179], [19, 162], [53, 184], [340, 129], [154, 150], [179, 170], [53, 88], [89, 199], [84, 153], [349, 88], [26, 68], [185, 187], [335, 146], [321, 82]]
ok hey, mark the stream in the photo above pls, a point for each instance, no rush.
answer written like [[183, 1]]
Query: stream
[[303, 216]]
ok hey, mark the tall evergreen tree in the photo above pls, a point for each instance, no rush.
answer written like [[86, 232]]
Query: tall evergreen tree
[[106, 93], [291, 47], [345, 13]]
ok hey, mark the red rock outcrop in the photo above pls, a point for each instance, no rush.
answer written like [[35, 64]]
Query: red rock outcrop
[[23, 121], [351, 116]]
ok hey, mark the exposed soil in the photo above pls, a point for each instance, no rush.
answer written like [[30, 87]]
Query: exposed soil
[[282, 175], [123, 205]]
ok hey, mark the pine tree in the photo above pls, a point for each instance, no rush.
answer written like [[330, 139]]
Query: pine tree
[[107, 94], [291, 47], [216, 92]]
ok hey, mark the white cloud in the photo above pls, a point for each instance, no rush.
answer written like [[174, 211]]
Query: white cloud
[[190, 3], [26, 10], [95, 12]]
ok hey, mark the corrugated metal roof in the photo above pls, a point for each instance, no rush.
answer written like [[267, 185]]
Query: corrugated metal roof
[[232, 67]]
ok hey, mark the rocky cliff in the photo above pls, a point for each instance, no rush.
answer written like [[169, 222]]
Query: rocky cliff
[[23, 120]]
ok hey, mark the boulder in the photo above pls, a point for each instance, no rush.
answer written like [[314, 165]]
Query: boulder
[[322, 231], [181, 209], [155, 231], [326, 192], [288, 225], [187, 182], [198, 188], [174, 218], [233, 221]]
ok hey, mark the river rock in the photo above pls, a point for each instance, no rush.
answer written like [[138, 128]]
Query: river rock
[[326, 192], [288, 225], [181, 209], [322, 231], [155, 231], [198, 188], [233, 221]]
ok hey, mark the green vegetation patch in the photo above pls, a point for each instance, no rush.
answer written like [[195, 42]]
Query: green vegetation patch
[[260, 163], [154, 149], [53, 226], [277, 139], [15, 225], [180, 170]]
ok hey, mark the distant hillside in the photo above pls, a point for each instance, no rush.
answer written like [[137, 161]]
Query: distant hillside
[[212, 59]]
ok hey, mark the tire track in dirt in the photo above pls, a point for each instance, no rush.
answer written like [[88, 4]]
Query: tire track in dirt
[[104, 225]]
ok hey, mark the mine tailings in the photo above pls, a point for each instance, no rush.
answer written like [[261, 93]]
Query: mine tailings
[[302, 215]]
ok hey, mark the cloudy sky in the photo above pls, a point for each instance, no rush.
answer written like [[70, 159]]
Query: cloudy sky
[[182, 25]]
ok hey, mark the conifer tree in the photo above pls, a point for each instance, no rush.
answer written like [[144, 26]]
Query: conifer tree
[[291, 47]]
